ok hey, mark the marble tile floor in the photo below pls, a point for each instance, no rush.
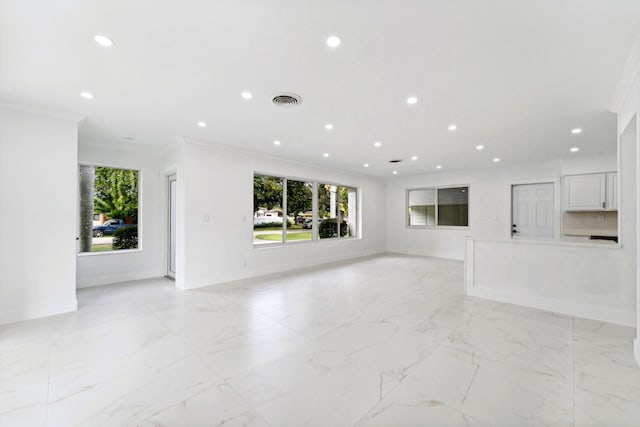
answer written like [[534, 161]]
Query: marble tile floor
[[383, 341]]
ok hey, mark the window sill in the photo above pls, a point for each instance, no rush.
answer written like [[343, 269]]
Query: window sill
[[303, 242], [438, 227], [123, 251]]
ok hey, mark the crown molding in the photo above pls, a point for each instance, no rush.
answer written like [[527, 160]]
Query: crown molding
[[248, 152], [630, 76], [53, 114]]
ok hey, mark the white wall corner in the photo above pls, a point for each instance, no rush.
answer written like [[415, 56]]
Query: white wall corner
[[636, 349], [630, 75]]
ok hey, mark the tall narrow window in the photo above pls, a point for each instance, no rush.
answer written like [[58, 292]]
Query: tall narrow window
[[349, 210], [268, 214], [327, 211], [108, 209], [299, 209]]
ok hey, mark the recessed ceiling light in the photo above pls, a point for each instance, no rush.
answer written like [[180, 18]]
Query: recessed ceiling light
[[334, 41], [439, 167], [276, 142], [395, 172], [366, 165], [326, 154], [202, 124], [328, 126], [479, 147], [86, 95], [414, 157], [574, 149], [452, 127], [576, 130], [247, 95], [496, 159], [377, 144], [412, 100], [103, 40]]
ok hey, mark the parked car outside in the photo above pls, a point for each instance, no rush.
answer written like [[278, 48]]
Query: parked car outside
[[108, 228], [308, 224]]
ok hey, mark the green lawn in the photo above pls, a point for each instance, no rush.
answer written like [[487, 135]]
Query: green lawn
[[102, 248], [278, 237]]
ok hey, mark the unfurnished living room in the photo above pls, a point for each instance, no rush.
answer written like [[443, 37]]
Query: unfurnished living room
[[294, 213]]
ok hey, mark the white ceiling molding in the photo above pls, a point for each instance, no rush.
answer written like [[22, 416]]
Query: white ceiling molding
[[60, 115], [251, 153], [630, 76]]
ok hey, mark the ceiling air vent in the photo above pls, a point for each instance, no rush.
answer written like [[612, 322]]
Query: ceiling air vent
[[395, 161], [287, 100]]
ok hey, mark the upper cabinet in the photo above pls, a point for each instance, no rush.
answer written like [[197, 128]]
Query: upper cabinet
[[591, 192]]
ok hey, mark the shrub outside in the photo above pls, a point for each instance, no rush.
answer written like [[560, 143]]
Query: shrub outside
[[126, 238], [329, 228]]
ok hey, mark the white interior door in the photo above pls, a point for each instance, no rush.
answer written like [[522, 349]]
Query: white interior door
[[171, 268], [532, 210]]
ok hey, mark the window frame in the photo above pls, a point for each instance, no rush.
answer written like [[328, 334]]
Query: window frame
[[437, 226], [140, 211], [314, 202]]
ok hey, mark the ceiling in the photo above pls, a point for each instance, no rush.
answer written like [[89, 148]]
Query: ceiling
[[514, 76]]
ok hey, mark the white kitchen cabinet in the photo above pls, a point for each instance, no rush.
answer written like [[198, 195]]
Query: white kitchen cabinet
[[612, 192], [586, 192]]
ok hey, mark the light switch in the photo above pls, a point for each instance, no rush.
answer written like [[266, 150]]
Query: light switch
[[205, 218]]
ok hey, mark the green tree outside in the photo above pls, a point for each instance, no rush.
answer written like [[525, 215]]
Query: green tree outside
[[267, 192], [299, 197], [116, 193]]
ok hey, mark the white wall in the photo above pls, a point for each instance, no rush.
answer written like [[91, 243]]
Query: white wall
[[218, 183], [38, 191], [627, 104], [489, 203], [109, 267]]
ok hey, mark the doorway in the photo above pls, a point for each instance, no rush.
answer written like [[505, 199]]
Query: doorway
[[532, 210], [171, 256]]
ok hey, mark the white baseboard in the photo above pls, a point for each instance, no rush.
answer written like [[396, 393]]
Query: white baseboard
[[587, 311], [107, 279], [274, 272], [36, 309]]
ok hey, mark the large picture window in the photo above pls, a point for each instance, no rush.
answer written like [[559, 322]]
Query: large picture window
[[438, 207], [283, 210], [108, 209]]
